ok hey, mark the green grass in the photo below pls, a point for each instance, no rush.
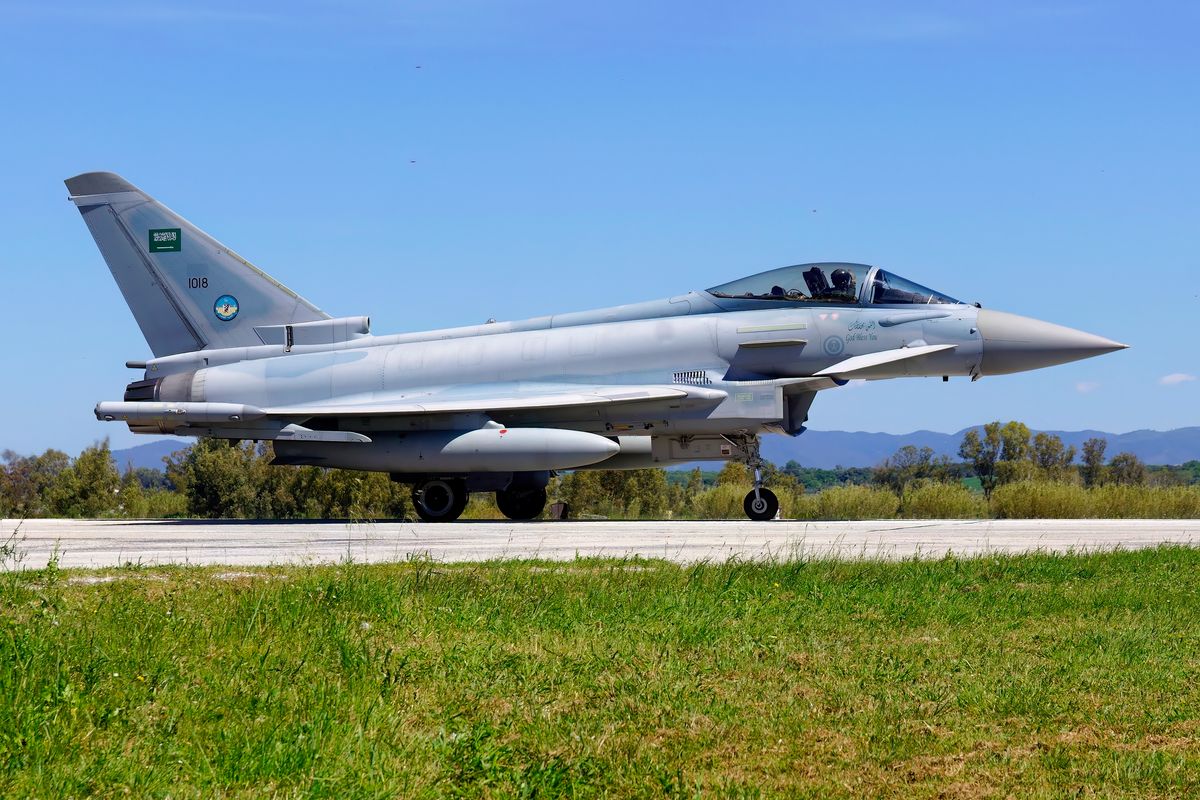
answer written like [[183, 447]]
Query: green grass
[[1031, 676]]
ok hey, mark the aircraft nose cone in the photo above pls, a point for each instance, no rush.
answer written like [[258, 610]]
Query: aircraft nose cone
[[1012, 343]]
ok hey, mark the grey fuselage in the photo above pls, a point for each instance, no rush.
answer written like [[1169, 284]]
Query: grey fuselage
[[750, 355]]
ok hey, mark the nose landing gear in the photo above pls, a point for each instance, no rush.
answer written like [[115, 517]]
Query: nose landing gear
[[761, 503]]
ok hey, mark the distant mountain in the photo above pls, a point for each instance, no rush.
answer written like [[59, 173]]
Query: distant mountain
[[150, 454], [827, 449]]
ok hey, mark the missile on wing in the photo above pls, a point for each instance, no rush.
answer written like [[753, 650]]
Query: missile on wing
[[489, 449]]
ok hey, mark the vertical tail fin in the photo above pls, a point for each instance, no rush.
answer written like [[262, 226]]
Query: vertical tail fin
[[186, 290]]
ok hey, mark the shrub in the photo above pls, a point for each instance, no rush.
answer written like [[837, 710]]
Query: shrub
[[1179, 502], [161, 503], [804, 506], [857, 502], [89, 487], [1115, 501], [1040, 500], [615, 494], [792, 502], [482, 505], [724, 501], [943, 501], [720, 502]]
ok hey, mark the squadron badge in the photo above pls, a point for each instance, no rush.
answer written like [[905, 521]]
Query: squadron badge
[[226, 307], [833, 345]]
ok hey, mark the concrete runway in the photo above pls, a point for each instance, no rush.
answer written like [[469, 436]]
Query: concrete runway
[[111, 543]]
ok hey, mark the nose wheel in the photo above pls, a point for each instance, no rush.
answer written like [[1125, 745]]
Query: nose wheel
[[761, 504], [440, 500], [521, 503]]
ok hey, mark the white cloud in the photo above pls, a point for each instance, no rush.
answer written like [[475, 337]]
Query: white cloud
[[1176, 378], [1083, 387]]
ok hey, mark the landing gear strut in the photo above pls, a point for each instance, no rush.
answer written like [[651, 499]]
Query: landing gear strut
[[761, 503], [521, 503], [440, 500]]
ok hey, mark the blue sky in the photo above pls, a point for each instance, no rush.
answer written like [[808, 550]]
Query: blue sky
[[434, 164]]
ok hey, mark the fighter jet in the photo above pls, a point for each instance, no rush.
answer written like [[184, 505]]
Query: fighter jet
[[500, 407]]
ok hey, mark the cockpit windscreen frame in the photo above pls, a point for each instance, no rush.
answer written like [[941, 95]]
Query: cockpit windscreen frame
[[829, 283]]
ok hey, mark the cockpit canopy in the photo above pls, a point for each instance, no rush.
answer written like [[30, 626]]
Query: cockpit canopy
[[842, 284]]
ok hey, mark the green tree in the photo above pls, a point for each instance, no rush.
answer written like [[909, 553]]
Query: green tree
[[1093, 470], [814, 479], [26, 480], [221, 479], [1016, 454], [152, 478], [1014, 441], [89, 487], [1053, 458], [131, 497], [646, 492], [982, 453], [734, 473], [910, 464], [367, 495], [582, 491], [291, 492], [1126, 469], [683, 503]]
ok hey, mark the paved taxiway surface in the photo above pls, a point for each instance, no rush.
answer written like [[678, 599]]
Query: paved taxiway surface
[[109, 543]]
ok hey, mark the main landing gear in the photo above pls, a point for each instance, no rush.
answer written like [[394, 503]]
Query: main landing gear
[[440, 500], [444, 499], [761, 503], [521, 504]]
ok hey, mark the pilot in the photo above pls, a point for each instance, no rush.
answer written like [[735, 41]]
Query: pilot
[[779, 293], [843, 283]]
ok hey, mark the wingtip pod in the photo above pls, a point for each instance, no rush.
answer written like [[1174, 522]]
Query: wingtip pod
[[88, 183], [177, 413]]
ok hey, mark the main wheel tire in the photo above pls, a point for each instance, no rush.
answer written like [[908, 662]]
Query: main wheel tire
[[521, 503], [440, 500], [760, 507]]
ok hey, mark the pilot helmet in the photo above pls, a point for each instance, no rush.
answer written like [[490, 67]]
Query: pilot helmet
[[843, 279]]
